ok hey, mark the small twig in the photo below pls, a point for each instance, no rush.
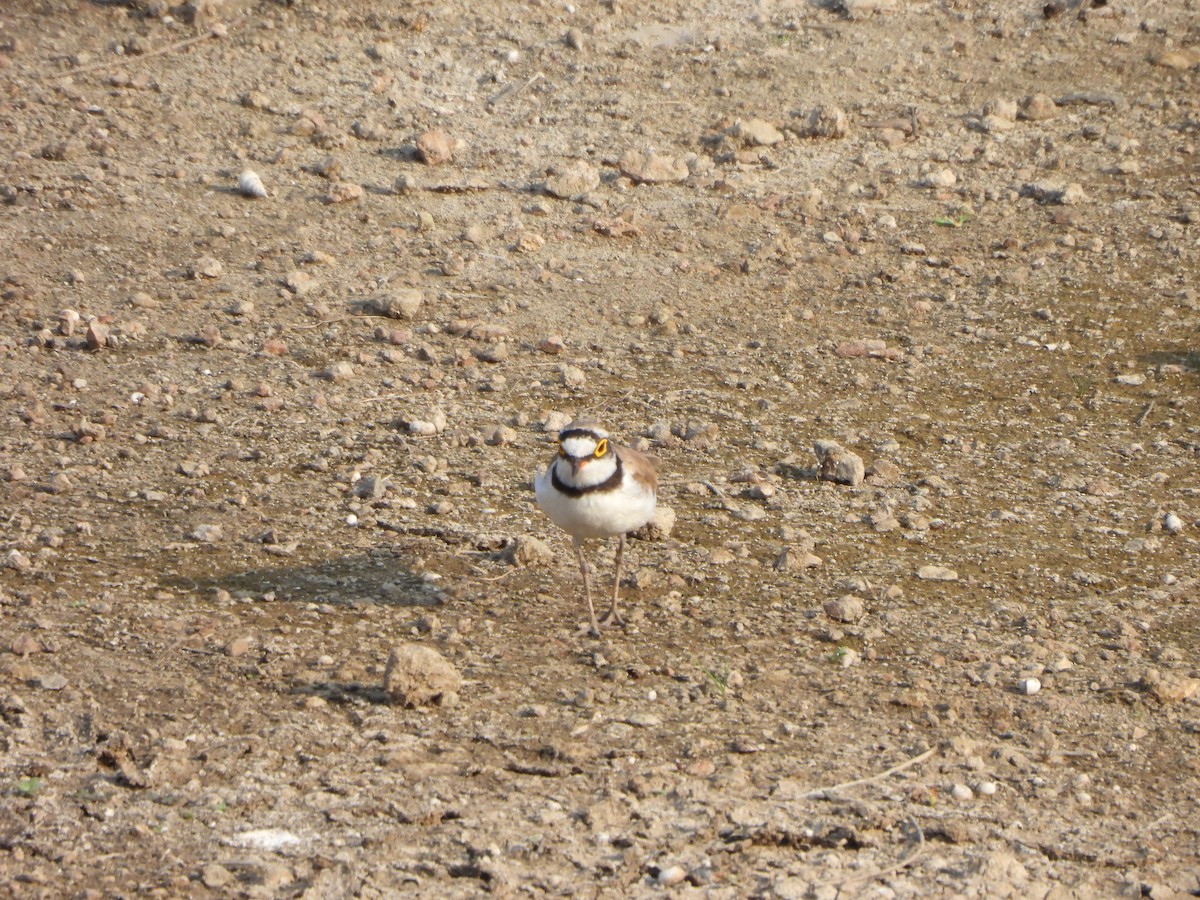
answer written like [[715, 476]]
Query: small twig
[[1160, 820], [824, 793], [387, 399], [217, 31], [337, 321], [513, 89], [492, 578], [1144, 414]]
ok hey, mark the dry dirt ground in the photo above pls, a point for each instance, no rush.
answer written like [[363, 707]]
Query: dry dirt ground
[[248, 446]]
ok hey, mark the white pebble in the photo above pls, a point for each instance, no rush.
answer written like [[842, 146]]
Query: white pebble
[[671, 875], [961, 792], [1172, 523], [352, 520], [1029, 686], [986, 788], [270, 839], [251, 185]]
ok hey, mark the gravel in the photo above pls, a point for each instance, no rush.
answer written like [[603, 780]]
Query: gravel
[[254, 445]]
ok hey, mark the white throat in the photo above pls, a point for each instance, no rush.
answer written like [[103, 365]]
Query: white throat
[[591, 471]]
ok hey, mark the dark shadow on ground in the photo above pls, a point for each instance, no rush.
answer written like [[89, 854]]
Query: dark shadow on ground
[[375, 577], [1189, 359], [343, 693]]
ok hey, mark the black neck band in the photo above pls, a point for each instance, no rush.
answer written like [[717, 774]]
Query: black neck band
[[611, 483]]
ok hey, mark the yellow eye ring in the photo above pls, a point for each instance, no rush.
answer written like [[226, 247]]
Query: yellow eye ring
[[601, 447]]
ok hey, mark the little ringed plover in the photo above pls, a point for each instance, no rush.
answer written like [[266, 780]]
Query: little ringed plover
[[596, 489]]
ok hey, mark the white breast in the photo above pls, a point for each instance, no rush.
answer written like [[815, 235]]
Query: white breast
[[596, 514]]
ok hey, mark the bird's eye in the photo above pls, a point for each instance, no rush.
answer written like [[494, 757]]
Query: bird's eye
[[601, 448]]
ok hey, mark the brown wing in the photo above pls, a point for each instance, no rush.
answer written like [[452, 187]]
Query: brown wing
[[642, 467]]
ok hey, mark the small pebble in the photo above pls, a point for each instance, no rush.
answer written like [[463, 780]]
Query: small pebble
[[755, 133], [435, 147], [215, 876], [838, 464], [55, 681], [417, 675], [1029, 686], [97, 335], [1038, 107], [270, 839], [936, 573], [339, 371], [671, 875], [940, 178], [398, 303], [251, 185], [572, 376], [25, 644], [15, 559], [500, 436], [344, 192], [299, 282], [575, 180], [651, 167], [846, 608], [1132, 380], [239, 646], [207, 267], [526, 550]]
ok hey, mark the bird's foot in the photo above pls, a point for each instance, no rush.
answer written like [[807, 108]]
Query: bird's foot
[[611, 618], [597, 627], [589, 629]]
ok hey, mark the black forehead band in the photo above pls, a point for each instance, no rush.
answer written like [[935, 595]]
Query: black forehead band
[[579, 432]]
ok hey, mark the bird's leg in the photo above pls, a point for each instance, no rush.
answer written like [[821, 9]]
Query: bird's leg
[[613, 617], [587, 588]]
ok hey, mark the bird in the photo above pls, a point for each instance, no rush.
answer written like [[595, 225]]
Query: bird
[[592, 489]]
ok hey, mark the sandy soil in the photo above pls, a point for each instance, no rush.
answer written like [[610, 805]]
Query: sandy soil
[[250, 446]]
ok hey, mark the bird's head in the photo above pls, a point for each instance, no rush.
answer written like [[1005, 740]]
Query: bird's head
[[584, 448]]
